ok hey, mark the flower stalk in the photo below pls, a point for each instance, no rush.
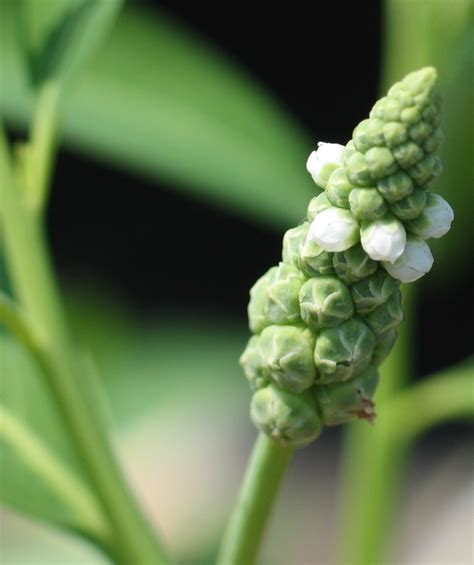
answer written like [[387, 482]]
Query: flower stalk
[[266, 469], [327, 316]]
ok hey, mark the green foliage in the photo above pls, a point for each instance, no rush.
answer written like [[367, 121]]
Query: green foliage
[[223, 138], [58, 35], [41, 474], [131, 356]]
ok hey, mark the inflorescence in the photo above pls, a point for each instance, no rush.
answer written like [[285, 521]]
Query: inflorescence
[[325, 317]]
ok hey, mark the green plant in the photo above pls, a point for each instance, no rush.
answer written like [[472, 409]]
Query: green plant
[[64, 445], [326, 317]]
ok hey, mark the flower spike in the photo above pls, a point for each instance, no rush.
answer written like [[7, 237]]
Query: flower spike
[[326, 316]]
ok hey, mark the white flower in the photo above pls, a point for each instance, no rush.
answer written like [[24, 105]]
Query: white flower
[[413, 263], [384, 239], [334, 229], [322, 162], [435, 220]]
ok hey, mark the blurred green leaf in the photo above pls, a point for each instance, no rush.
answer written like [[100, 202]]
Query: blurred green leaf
[[150, 365], [59, 35], [147, 367], [158, 100], [441, 33], [41, 476]]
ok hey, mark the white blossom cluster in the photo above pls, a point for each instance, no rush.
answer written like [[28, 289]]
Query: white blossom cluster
[[401, 249]]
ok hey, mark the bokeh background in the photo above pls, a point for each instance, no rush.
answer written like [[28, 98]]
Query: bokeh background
[[156, 266]]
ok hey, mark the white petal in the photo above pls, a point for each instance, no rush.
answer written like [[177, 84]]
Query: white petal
[[435, 220], [413, 263], [322, 162], [383, 240], [334, 229]]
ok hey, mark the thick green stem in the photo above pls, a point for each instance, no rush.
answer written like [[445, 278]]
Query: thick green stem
[[266, 469], [35, 286]]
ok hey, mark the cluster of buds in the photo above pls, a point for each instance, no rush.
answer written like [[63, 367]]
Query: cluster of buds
[[325, 318]]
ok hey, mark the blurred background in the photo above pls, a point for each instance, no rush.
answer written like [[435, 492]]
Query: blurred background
[[183, 163]]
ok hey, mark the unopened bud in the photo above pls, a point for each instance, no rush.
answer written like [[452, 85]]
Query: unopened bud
[[342, 402], [322, 162], [384, 239], [435, 220], [325, 302], [334, 229], [343, 352], [287, 357], [413, 263], [291, 420]]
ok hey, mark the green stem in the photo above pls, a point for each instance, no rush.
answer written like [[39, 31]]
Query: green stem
[[267, 466], [37, 290], [42, 147]]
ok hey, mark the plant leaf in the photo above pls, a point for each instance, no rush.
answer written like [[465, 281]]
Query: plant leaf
[[157, 100], [149, 365], [59, 35], [41, 475]]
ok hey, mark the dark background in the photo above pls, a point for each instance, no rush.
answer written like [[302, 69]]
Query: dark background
[[122, 240]]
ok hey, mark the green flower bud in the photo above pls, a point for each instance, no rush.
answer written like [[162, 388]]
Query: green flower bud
[[398, 92], [343, 352], [342, 402], [410, 116], [292, 241], [428, 169], [349, 150], [367, 204], [408, 154], [420, 132], [325, 302], [369, 133], [395, 187], [305, 254], [274, 298], [291, 420], [411, 206], [386, 109], [420, 82], [383, 346], [380, 162], [357, 169], [434, 141], [314, 260], [387, 316], [318, 204], [252, 364], [394, 134], [287, 357], [430, 114], [373, 291], [339, 188], [353, 264]]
